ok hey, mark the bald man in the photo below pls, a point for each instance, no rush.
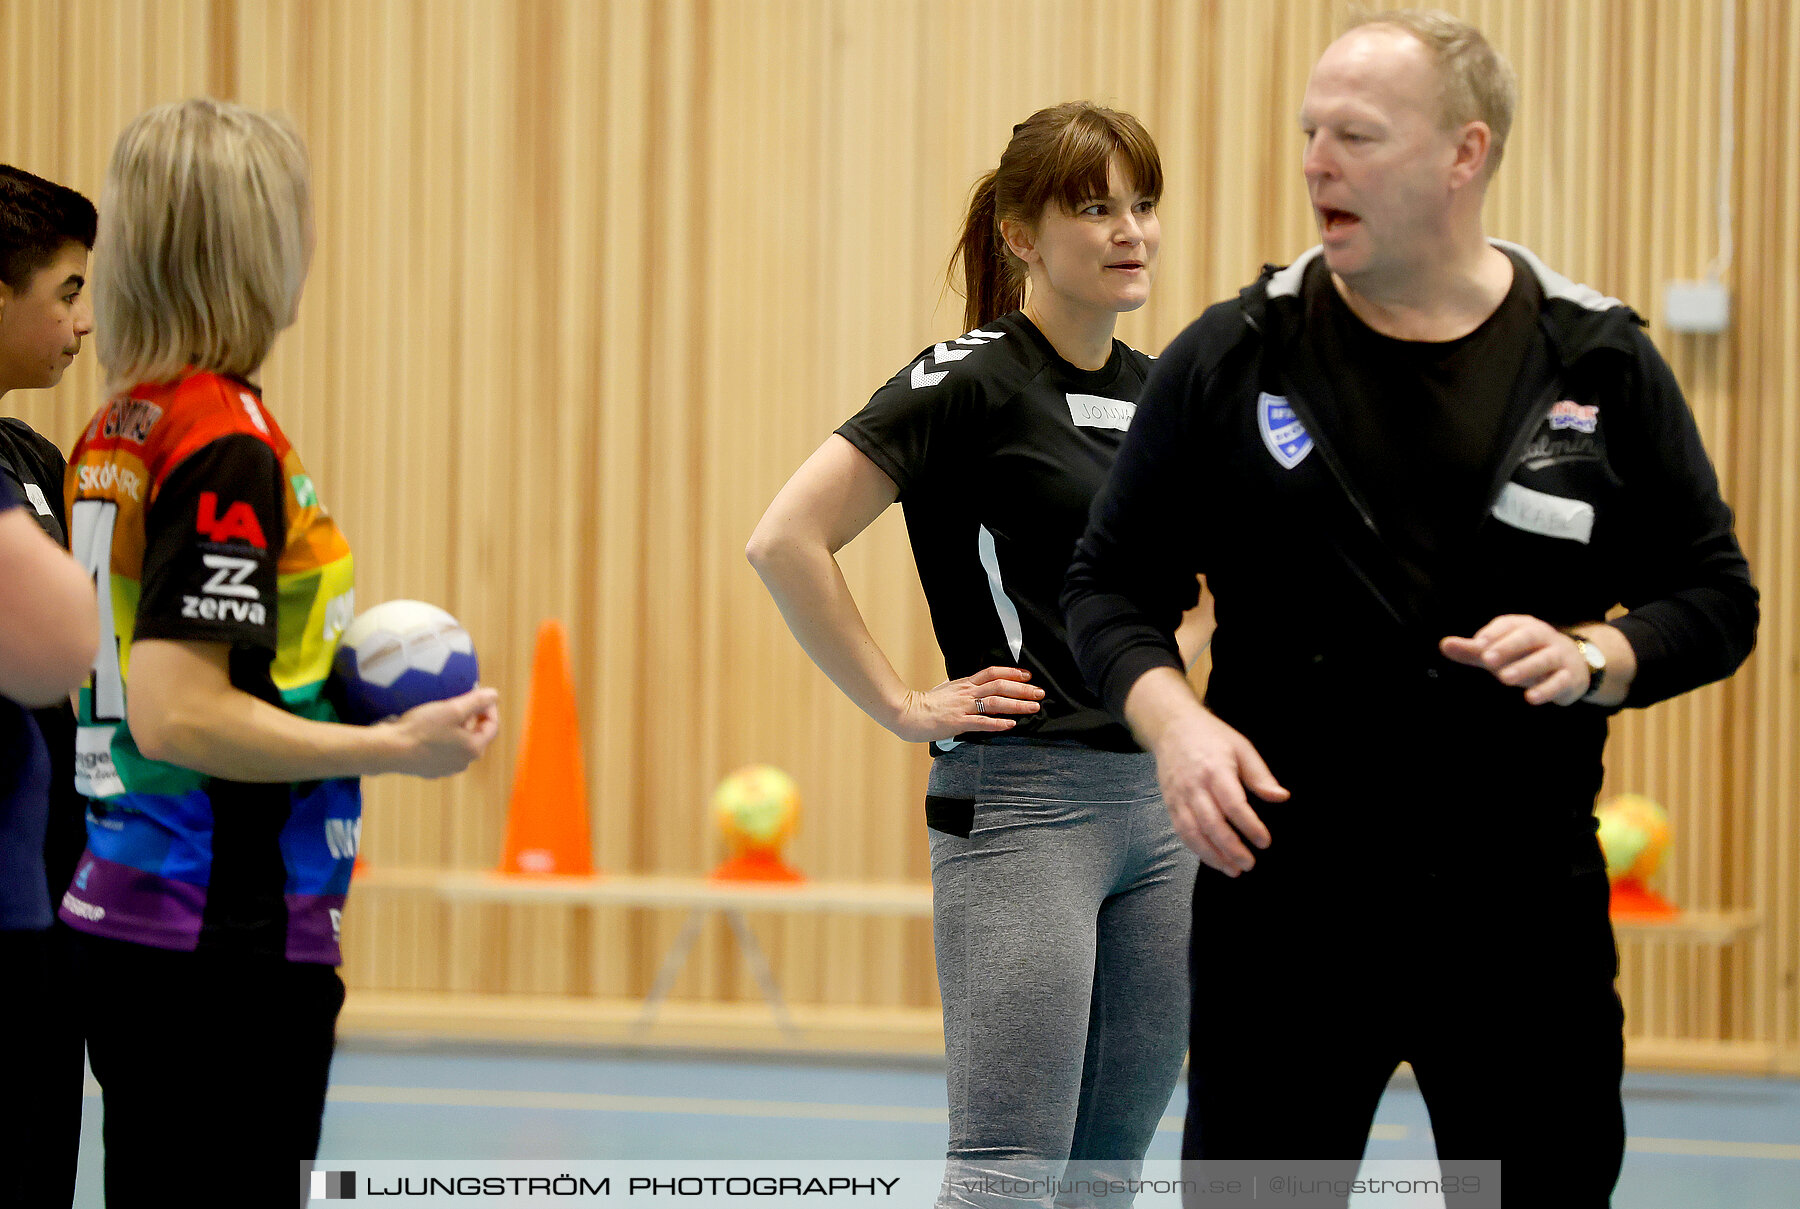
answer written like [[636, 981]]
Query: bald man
[[1423, 470]]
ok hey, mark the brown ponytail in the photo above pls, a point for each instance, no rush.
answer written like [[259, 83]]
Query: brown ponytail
[[1060, 154], [993, 280]]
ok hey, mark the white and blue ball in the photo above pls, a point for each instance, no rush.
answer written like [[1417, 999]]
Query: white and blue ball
[[400, 654]]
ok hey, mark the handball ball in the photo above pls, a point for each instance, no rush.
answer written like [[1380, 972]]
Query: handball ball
[[401, 654], [756, 808], [1634, 834]]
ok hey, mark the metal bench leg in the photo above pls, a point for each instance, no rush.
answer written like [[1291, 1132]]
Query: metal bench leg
[[671, 966], [759, 966]]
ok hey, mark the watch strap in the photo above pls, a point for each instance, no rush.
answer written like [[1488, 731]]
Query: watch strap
[[1595, 659]]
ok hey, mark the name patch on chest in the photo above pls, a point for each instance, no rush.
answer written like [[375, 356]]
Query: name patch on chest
[[1097, 411], [1286, 437], [1545, 514]]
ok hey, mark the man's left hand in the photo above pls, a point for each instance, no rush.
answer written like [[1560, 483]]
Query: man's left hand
[[1527, 653]]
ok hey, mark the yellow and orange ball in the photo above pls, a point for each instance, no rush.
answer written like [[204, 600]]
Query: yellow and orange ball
[[756, 809], [1634, 836]]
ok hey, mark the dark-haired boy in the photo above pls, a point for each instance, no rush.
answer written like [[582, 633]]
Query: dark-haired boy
[[46, 231]]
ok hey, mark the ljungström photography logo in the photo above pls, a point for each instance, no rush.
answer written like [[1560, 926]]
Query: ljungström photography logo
[[334, 1185]]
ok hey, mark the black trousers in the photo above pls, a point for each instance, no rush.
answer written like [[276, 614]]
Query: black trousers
[[1311, 985], [213, 1070], [40, 1110]]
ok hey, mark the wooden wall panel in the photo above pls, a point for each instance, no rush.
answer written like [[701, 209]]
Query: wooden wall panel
[[594, 275], [1768, 367]]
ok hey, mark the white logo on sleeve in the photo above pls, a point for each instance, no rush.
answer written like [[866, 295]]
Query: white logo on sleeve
[[229, 575], [943, 354], [243, 601], [1545, 514], [1097, 411]]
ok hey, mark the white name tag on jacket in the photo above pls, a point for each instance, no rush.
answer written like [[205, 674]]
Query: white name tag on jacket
[[1550, 515], [1097, 411]]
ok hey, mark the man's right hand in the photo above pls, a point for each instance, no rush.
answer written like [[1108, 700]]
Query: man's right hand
[[1203, 767]]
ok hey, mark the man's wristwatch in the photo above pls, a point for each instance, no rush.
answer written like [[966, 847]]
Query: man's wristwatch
[[1596, 664]]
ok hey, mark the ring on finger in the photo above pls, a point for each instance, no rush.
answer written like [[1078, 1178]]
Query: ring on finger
[[978, 704]]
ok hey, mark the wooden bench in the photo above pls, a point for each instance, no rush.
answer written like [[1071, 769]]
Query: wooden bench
[[701, 896], [904, 1030]]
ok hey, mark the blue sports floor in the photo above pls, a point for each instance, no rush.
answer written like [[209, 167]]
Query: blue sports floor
[[1696, 1142]]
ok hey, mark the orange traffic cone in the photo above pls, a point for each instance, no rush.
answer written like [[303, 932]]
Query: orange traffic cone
[[547, 823]]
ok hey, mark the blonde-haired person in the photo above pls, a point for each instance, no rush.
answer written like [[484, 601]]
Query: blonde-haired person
[[1059, 887], [224, 799]]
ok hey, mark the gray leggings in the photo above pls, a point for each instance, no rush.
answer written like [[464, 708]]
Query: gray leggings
[[1061, 924]]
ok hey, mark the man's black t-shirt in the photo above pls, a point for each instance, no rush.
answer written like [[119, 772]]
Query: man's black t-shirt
[[998, 446], [1420, 424]]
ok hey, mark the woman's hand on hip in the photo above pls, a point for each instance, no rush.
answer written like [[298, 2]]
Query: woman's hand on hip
[[991, 700]]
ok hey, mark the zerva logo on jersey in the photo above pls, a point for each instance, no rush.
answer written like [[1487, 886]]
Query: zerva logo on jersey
[[944, 354], [226, 596], [1570, 414], [211, 608], [1281, 429], [228, 577]]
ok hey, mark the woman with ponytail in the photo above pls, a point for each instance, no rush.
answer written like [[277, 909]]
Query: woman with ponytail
[[1060, 890]]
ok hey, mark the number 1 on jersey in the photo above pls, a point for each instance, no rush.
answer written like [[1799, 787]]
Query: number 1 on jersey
[[90, 540]]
